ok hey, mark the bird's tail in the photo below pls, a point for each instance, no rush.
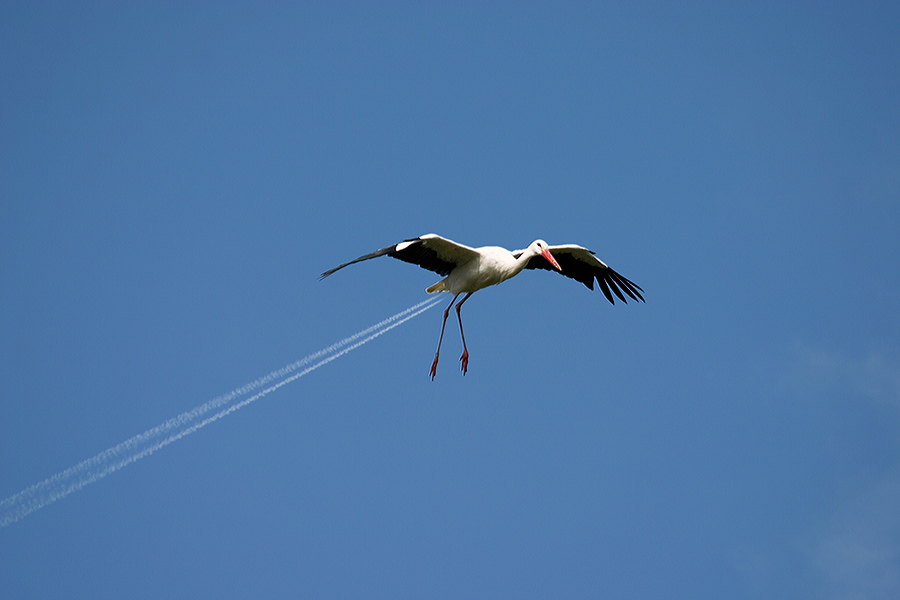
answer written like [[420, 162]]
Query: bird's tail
[[440, 286]]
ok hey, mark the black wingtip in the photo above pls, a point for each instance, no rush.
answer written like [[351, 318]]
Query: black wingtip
[[629, 287], [605, 289], [617, 291], [613, 283]]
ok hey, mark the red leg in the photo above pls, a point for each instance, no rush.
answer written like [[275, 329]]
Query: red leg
[[441, 339], [464, 359]]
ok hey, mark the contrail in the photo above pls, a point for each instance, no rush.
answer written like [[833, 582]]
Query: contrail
[[93, 469]]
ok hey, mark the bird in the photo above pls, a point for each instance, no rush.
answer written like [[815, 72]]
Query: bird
[[467, 270]]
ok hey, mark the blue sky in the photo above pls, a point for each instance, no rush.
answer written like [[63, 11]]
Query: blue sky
[[173, 178]]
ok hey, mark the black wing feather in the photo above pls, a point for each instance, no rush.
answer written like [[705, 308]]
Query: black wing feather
[[420, 254], [413, 250], [605, 287], [629, 287], [579, 269], [375, 254]]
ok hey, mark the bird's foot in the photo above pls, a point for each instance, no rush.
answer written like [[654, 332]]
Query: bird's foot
[[464, 359], [434, 366]]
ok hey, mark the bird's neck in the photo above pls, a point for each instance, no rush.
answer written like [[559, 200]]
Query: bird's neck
[[523, 260]]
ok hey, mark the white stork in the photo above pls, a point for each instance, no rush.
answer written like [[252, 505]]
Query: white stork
[[467, 270]]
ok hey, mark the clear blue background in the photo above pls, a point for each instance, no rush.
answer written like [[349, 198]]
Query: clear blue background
[[174, 177]]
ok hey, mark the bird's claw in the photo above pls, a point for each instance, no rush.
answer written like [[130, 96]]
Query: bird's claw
[[434, 367], [464, 359]]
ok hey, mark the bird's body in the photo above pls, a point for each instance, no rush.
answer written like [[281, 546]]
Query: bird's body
[[467, 270], [488, 266]]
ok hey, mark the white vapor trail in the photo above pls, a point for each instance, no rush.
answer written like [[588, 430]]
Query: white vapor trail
[[86, 472]]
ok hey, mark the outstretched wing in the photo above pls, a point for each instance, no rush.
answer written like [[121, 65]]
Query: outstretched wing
[[429, 251], [581, 265]]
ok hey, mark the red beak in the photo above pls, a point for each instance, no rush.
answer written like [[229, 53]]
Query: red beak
[[546, 254]]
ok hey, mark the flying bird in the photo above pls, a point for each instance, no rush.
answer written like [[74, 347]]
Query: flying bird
[[467, 270]]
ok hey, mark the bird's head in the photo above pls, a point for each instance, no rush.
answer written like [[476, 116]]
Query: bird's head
[[541, 247]]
